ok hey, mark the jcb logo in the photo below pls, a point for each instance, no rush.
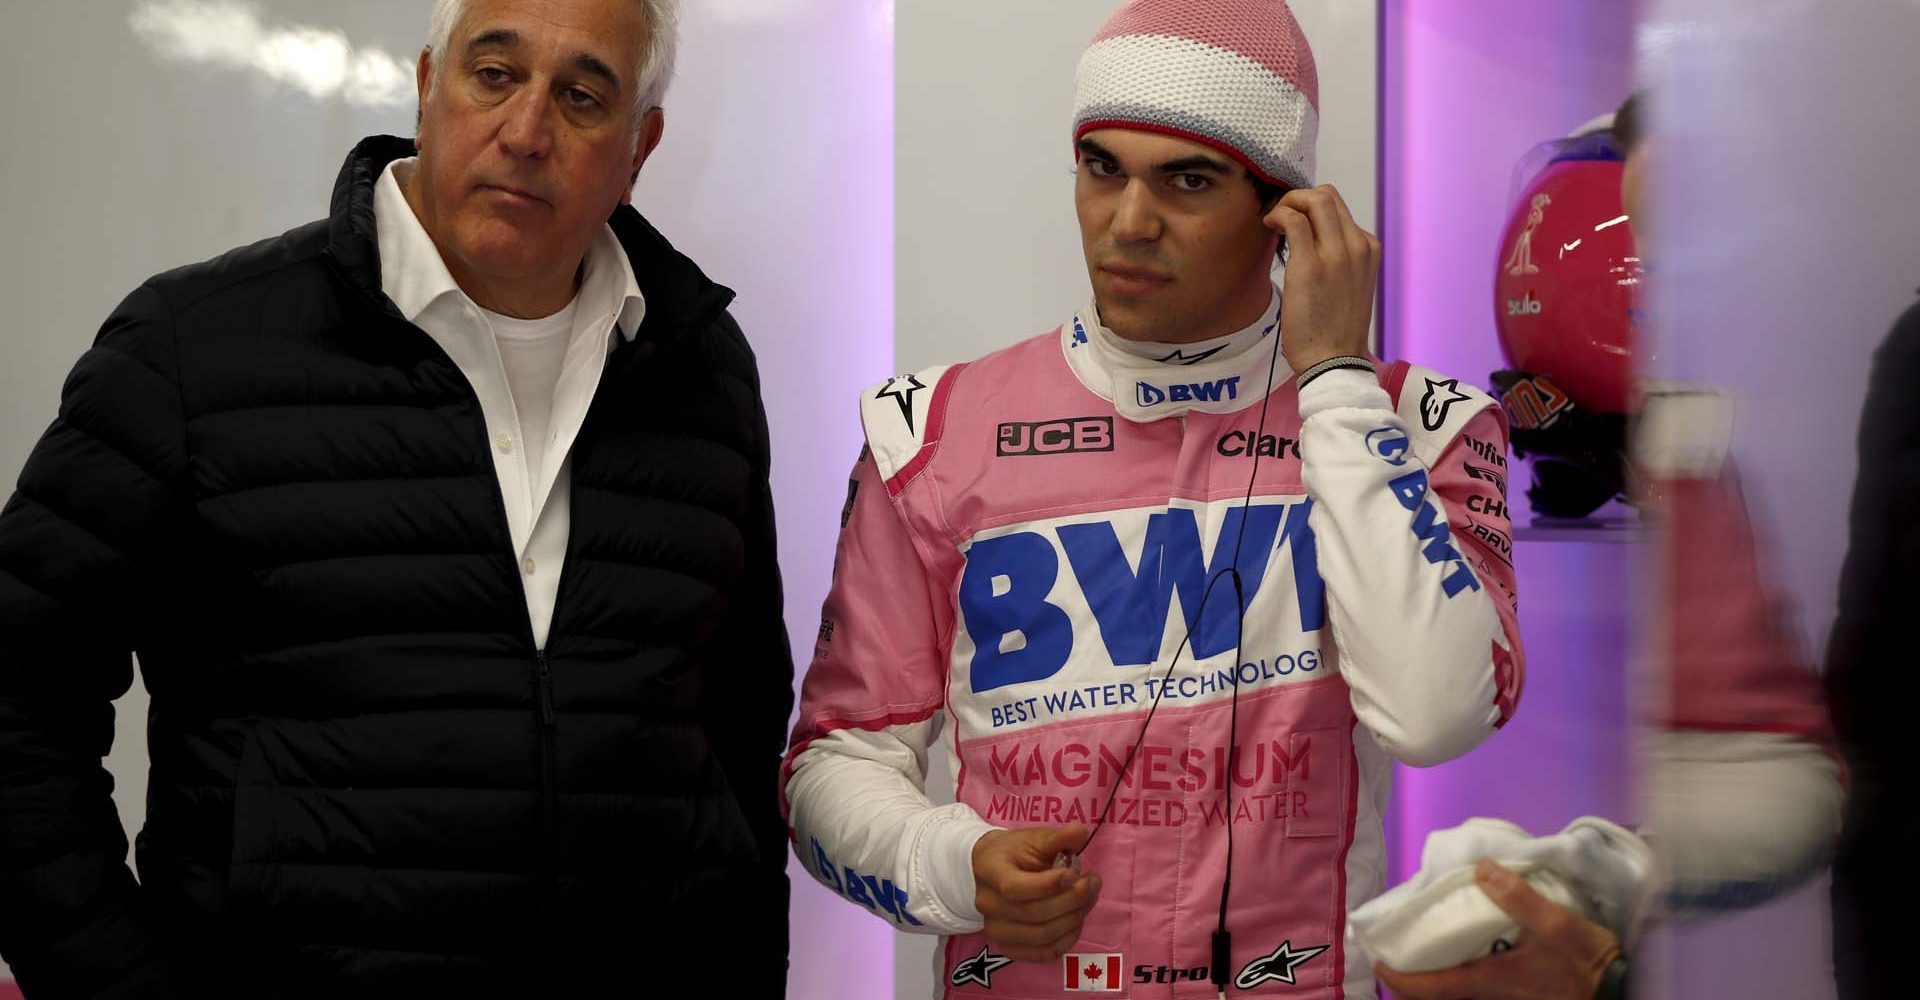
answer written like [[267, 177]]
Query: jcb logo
[[1056, 437]]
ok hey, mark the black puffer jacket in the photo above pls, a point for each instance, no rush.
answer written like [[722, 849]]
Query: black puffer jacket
[[365, 780]]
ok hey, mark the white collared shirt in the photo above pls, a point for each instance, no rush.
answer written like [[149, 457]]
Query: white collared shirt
[[537, 493]]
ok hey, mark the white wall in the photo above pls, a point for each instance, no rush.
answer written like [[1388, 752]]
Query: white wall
[[987, 249], [775, 175]]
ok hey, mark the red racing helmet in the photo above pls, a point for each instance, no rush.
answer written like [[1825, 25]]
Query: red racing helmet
[[1564, 290]]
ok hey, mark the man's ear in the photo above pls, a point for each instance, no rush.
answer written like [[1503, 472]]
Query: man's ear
[[653, 125], [422, 82]]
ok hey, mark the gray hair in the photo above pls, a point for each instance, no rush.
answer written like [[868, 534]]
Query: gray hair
[[654, 73]]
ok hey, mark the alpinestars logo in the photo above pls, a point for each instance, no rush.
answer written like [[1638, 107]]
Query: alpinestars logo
[[1277, 967], [1440, 397], [979, 969], [901, 389], [1181, 357]]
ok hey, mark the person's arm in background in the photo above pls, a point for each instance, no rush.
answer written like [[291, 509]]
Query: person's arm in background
[[746, 702], [1745, 790], [76, 556], [1744, 795]]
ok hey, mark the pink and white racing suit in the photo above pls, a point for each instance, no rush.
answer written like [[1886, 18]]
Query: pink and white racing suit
[[1026, 543]]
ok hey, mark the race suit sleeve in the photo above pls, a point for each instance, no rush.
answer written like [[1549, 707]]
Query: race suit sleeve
[[870, 707], [1744, 788], [1420, 594], [77, 578], [1738, 818]]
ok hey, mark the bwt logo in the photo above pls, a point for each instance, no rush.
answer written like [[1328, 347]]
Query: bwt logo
[[1020, 636], [1430, 527], [1389, 444], [879, 895], [1149, 394]]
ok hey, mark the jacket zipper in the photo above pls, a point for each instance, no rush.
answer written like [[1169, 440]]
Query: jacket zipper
[[549, 795]]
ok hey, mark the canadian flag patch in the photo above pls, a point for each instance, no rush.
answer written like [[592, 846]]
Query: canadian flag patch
[[1093, 973]]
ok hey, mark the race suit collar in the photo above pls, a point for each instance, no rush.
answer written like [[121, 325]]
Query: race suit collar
[[1204, 350], [1228, 374]]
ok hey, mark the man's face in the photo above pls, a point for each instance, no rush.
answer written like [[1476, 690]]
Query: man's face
[[526, 136], [1173, 235]]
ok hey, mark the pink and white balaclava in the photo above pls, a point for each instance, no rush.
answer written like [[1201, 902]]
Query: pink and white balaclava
[[1236, 75]]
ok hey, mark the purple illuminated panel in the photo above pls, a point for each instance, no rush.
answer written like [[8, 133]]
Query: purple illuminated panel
[[777, 176], [1467, 87]]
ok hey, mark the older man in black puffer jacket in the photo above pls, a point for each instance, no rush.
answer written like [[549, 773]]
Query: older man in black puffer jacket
[[441, 528]]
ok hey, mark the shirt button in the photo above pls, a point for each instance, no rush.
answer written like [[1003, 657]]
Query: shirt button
[[527, 564], [504, 442]]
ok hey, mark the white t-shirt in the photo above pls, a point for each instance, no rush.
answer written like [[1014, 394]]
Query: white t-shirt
[[533, 351]]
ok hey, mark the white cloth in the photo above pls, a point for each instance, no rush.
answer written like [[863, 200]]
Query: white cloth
[[1440, 918], [414, 276]]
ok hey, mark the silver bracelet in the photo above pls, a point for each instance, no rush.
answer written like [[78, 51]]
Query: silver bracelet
[[1344, 361]]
